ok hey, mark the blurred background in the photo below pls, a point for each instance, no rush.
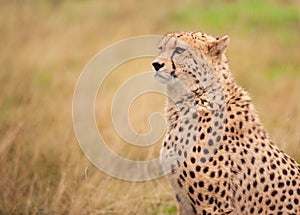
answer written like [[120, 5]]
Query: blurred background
[[44, 46]]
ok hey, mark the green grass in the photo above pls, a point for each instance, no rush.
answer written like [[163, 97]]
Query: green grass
[[278, 70], [45, 45], [243, 14], [171, 210]]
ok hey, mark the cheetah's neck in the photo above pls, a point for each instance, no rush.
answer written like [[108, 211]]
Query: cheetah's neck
[[235, 96]]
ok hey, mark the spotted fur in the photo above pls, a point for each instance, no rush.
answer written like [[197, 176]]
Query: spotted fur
[[219, 157]]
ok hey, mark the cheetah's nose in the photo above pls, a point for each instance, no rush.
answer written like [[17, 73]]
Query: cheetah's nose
[[157, 65]]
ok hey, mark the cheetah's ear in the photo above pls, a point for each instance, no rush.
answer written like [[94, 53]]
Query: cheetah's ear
[[218, 46]]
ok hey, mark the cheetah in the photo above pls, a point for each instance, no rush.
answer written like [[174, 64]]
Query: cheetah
[[218, 157]]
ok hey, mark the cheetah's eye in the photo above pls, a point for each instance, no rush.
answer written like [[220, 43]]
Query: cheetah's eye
[[179, 50], [159, 47]]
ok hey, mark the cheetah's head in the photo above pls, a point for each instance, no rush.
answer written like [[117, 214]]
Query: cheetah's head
[[186, 56]]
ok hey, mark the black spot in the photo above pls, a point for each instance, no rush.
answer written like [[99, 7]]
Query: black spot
[[191, 190], [195, 115], [192, 174], [274, 193], [194, 138], [282, 198], [260, 210], [200, 197], [205, 170], [203, 160], [262, 170], [194, 209], [181, 177], [179, 152], [252, 160], [234, 150], [272, 176], [193, 160], [184, 163], [209, 129], [199, 149], [289, 207], [194, 149], [292, 172], [179, 183], [243, 208], [248, 186], [266, 188]]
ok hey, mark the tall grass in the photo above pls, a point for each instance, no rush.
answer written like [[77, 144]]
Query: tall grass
[[44, 47]]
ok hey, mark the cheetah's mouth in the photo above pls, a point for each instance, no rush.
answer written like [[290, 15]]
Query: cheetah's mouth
[[163, 77]]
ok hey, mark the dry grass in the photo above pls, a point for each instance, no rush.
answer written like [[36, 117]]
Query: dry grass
[[44, 47]]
